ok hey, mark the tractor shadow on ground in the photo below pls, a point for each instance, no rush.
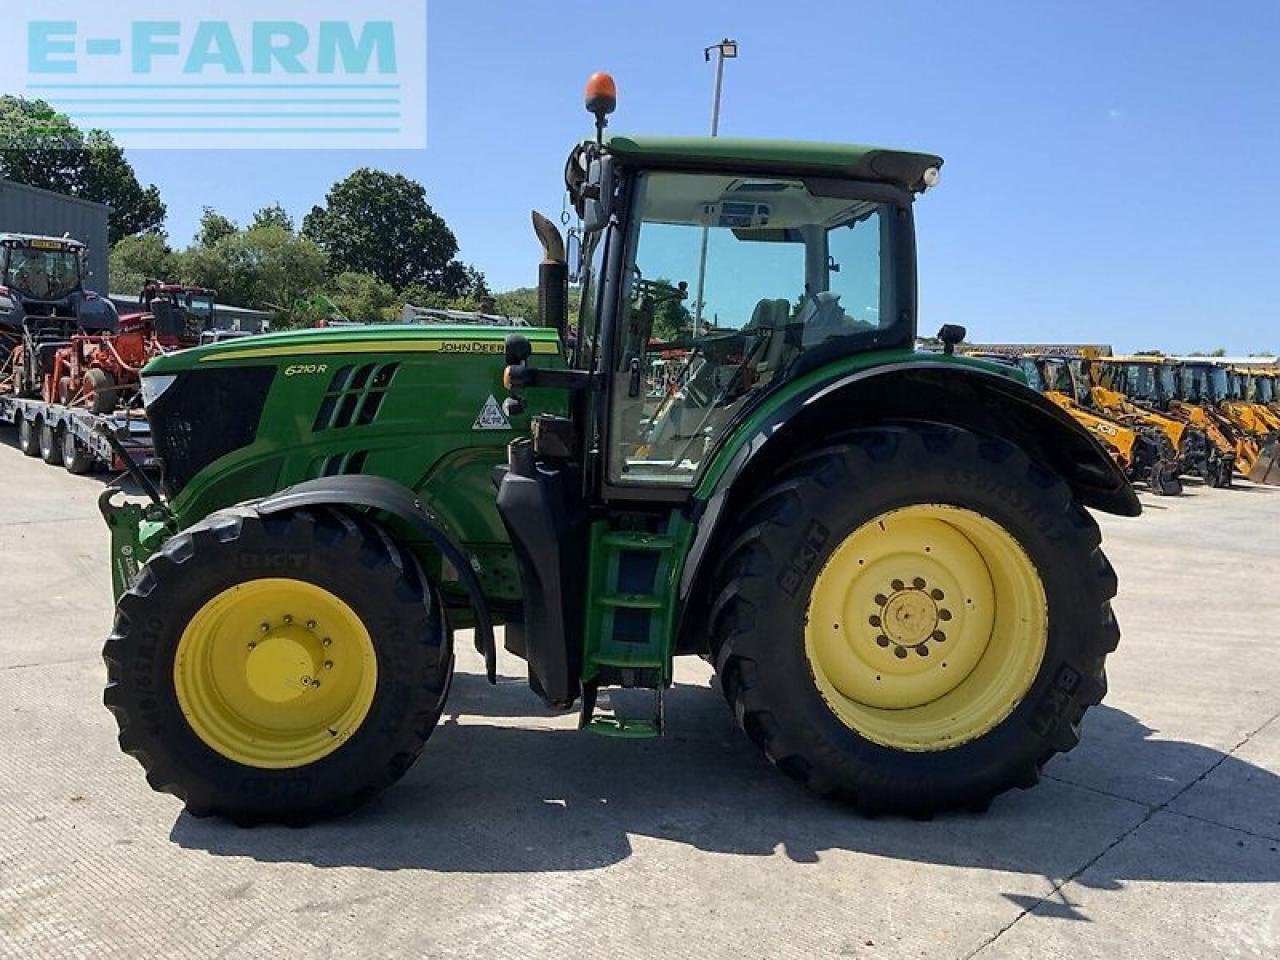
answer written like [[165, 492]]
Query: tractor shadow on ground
[[488, 797]]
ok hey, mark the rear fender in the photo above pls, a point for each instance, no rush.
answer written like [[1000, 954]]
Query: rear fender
[[930, 390], [379, 494]]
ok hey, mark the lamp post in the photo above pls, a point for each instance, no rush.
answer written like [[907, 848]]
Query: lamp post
[[726, 49]]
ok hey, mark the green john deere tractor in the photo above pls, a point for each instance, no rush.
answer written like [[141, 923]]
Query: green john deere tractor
[[885, 554]]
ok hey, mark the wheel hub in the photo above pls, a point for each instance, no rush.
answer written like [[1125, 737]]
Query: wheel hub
[[285, 664], [909, 619]]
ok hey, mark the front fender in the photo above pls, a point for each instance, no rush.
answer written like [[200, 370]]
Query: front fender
[[387, 496]]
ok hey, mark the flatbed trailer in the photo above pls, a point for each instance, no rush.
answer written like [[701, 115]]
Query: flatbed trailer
[[129, 426]]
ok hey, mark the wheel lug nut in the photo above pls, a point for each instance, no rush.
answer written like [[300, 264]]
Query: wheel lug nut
[[944, 614], [881, 599], [874, 621], [938, 595], [327, 642], [939, 636], [265, 628], [898, 586], [923, 650], [328, 664], [900, 653], [918, 583], [311, 624], [253, 645], [288, 619], [883, 641]]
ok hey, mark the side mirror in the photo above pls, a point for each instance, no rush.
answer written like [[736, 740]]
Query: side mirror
[[597, 195]]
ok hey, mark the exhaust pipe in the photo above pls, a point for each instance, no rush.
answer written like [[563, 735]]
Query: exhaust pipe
[[553, 276]]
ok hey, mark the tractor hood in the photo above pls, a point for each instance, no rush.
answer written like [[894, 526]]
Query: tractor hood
[[237, 420], [308, 345]]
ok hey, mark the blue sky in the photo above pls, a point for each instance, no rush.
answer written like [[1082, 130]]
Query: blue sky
[[1109, 166]]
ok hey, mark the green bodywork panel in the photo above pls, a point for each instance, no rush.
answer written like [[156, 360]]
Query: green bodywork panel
[[816, 379], [845, 161], [425, 435]]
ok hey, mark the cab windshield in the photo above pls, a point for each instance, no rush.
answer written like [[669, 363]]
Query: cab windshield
[[42, 274], [731, 284], [1201, 384]]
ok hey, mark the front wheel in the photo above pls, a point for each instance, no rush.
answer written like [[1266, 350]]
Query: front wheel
[[914, 620], [278, 669]]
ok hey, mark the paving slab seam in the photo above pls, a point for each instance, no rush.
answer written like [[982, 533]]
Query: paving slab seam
[[50, 663], [48, 520], [1223, 826], [1152, 810]]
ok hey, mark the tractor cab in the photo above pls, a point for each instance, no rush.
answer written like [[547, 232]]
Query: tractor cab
[[1203, 383], [179, 314], [43, 273]]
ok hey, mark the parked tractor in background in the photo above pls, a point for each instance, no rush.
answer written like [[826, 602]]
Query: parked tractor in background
[[1195, 454], [101, 370], [885, 554], [1143, 452], [43, 304]]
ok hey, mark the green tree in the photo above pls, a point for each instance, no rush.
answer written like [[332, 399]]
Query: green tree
[[263, 268], [40, 147], [274, 215], [381, 224], [214, 227], [671, 318], [362, 296], [135, 260]]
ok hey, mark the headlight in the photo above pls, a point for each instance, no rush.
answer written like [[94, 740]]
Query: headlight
[[153, 387]]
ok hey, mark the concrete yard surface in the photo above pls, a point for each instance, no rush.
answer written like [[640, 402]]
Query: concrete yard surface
[[516, 836]]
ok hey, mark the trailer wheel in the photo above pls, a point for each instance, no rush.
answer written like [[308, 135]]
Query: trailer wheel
[[50, 445], [278, 669], [914, 620], [29, 435], [75, 457], [100, 391]]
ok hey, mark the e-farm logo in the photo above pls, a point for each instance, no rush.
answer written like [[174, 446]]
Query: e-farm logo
[[243, 74]]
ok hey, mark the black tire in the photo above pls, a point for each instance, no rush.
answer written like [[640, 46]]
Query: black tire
[[103, 396], [50, 447], [348, 556], [75, 457], [764, 582], [29, 436]]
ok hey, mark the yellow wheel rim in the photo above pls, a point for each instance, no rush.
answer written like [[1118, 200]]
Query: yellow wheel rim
[[926, 627], [275, 673]]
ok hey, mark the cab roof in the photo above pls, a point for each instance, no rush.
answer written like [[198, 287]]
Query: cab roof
[[846, 161], [23, 239]]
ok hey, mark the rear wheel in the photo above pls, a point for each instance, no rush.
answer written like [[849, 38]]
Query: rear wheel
[[100, 391], [50, 446], [75, 457], [281, 669], [29, 436], [914, 620]]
